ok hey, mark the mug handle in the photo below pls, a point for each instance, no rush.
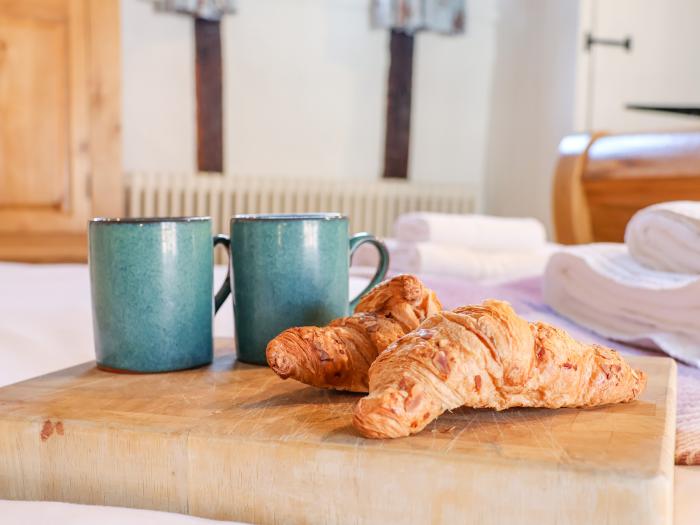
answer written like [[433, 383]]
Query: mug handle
[[355, 242], [225, 289]]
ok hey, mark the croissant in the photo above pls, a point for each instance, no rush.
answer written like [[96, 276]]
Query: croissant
[[338, 356], [487, 356]]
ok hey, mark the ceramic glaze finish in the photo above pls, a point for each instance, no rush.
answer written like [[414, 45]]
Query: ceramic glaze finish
[[290, 270], [151, 284]]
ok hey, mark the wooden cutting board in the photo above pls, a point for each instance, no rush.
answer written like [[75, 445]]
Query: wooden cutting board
[[236, 442]]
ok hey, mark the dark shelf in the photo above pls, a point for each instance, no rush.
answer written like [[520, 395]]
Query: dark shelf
[[693, 111]]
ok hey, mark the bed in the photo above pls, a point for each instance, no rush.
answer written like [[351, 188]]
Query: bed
[[602, 179]]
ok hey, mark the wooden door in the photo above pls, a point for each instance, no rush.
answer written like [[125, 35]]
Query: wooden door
[[60, 155], [660, 68]]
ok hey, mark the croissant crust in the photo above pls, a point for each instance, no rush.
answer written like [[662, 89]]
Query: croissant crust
[[339, 355], [486, 356]]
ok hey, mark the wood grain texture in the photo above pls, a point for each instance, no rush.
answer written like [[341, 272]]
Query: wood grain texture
[[233, 441], [209, 89], [60, 158], [572, 222], [34, 87], [597, 188], [398, 105], [42, 248], [106, 182]]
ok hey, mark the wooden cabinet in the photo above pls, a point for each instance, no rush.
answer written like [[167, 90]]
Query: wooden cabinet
[[60, 150]]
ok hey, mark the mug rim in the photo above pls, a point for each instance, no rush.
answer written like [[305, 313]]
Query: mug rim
[[146, 220], [320, 216]]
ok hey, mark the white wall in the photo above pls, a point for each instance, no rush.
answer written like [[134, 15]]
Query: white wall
[[157, 90], [452, 99], [305, 93], [532, 104]]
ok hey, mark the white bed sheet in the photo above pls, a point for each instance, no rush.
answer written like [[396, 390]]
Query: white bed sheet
[[53, 513]]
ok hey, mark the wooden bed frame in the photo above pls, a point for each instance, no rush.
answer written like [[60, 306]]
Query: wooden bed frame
[[602, 179]]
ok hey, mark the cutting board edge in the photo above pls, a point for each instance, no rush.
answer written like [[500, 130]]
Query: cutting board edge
[[667, 457], [462, 458], [632, 500]]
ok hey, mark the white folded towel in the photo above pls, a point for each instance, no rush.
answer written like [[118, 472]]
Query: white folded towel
[[439, 259], [456, 261], [602, 287], [666, 236], [367, 254], [478, 232]]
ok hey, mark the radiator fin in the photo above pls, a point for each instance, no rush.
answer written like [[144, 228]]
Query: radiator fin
[[370, 205]]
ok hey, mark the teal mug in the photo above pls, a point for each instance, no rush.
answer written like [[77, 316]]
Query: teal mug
[[291, 270], [152, 282]]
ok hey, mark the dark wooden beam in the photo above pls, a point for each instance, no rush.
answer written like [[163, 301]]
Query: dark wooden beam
[[398, 108], [209, 95]]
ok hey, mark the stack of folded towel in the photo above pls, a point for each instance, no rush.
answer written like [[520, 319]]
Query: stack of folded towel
[[646, 291], [471, 246], [666, 237]]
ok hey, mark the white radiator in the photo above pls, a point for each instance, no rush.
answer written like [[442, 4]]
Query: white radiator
[[370, 205]]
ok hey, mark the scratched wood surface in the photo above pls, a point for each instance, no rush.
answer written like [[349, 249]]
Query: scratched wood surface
[[233, 441]]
